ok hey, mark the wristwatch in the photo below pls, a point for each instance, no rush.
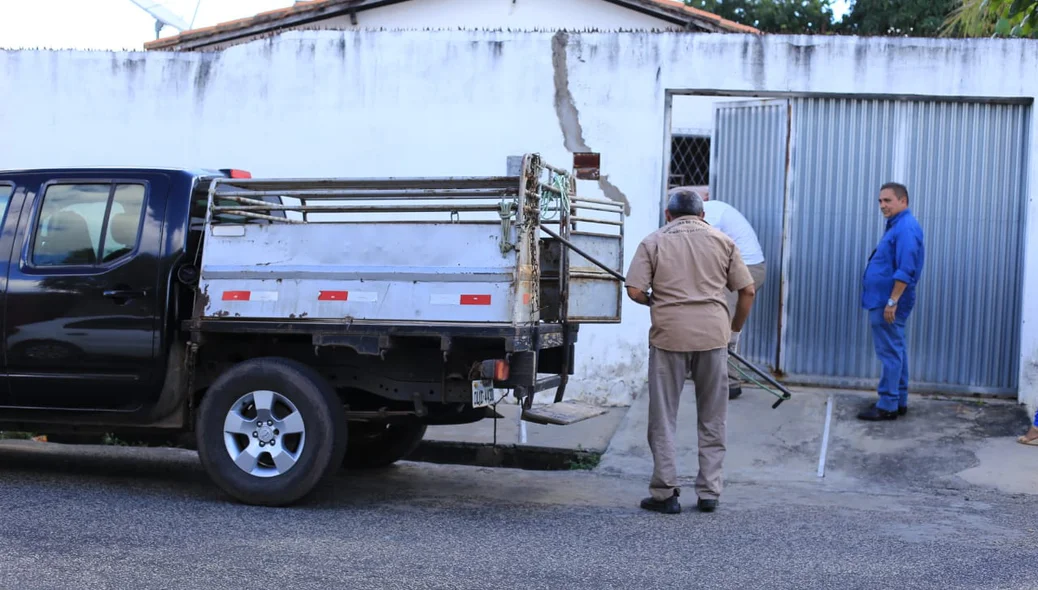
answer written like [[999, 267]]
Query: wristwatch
[[891, 302]]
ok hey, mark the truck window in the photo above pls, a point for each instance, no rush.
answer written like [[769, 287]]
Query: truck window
[[124, 222], [73, 217], [6, 190]]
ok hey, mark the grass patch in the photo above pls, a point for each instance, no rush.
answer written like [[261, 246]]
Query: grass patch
[[12, 435], [585, 461], [114, 441]]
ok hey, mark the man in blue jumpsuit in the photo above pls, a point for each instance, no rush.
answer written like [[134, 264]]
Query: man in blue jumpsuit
[[888, 293]]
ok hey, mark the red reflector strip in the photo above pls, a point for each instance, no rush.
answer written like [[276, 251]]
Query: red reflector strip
[[475, 299], [237, 295], [526, 299], [333, 296]]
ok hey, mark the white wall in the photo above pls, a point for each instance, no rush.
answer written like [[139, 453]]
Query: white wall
[[515, 15], [693, 115], [434, 103]]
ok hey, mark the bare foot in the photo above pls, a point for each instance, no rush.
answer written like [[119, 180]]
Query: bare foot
[[1032, 435]]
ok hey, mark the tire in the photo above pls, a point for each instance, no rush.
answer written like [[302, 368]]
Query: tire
[[300, 440], [373, 445]]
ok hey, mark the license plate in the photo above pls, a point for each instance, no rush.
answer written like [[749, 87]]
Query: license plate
[[482, 393]]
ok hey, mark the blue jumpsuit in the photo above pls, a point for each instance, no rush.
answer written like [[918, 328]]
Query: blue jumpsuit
[[899, 256]]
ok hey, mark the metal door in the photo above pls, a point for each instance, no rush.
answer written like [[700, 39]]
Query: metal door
[[963, 164], [82, 302], [11, 197], [818, 220], [748, 155]]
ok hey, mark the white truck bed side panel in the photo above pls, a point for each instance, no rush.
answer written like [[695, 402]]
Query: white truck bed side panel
[[428, 272]]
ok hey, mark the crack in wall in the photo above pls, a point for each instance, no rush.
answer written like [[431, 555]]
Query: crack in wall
[[569, 117]]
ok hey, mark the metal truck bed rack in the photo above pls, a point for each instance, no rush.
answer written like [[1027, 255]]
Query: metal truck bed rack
[[458, 250]]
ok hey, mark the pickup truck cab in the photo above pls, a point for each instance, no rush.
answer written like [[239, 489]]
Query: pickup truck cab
[[293, 326]]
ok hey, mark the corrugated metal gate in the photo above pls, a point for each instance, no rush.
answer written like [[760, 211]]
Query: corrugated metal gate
[[749, 144], [818, 220]]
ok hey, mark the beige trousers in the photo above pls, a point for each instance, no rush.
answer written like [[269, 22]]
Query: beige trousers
[[758, 272], [667, 372]]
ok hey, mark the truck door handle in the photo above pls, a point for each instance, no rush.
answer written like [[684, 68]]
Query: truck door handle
[[125, 294]]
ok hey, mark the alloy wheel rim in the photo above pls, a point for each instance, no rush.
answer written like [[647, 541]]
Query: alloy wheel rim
[[264, 433]]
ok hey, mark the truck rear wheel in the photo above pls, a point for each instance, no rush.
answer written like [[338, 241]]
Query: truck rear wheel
[[269, 430], [374, 444]]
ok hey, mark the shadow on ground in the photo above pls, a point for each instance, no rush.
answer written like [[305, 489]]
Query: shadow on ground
[[51, 472], [936, 441]]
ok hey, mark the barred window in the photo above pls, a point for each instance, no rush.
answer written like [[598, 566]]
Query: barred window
[[689, 160]]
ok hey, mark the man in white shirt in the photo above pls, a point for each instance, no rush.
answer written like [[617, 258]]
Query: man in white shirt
[[732, 223]]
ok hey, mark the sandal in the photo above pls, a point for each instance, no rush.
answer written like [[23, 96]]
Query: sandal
[[1031, 443]]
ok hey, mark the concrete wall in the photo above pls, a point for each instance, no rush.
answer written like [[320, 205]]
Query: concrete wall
[[514, 15], [508, 14], [694, 115], [431, 103]]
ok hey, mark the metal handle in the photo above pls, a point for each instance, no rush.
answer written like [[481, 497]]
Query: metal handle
[[124, 294], [786, 394]]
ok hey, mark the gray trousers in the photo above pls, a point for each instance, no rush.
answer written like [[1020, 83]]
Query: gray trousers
[[758, 272], [667, 372]]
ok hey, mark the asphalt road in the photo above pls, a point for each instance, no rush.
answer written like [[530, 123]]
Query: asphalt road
[[110, 517]]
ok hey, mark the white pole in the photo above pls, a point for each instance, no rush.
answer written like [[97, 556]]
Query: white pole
[[522, 425], [825, 435]]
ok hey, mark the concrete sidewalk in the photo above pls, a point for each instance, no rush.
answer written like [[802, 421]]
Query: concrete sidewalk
[[940, 443], [780, 444]]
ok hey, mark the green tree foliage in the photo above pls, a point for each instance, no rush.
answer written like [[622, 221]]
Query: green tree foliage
[[912, 18], [788, 17], [999, 18]]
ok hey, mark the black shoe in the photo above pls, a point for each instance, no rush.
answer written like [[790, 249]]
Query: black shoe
[[668, 506], [706, 505], [902, 410], [874, 414], [734, 392]]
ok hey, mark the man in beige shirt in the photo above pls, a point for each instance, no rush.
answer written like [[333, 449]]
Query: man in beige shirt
[[682, 272]]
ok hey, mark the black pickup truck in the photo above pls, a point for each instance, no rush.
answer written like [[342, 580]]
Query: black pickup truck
[[107, 330]]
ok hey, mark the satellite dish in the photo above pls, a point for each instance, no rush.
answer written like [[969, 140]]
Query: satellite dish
[[165, 17]]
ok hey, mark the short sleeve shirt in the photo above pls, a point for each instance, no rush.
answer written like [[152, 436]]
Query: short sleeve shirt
[[688, 266], [732, 224]]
